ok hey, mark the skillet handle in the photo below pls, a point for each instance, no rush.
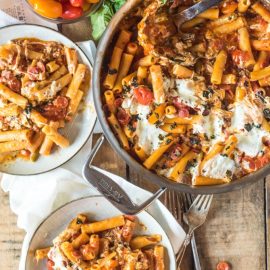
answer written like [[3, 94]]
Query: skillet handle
[[110, 189]]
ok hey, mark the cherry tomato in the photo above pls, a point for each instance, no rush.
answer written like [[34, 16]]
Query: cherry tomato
[[223, 266], [76, 3], [70, 12], [86, 6], [143, 95], [239, 57], [50, 265], [48, 8]]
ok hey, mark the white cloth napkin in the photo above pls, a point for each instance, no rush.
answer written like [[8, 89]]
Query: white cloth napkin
[[32, 198]]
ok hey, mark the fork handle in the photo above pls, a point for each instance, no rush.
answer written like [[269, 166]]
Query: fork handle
[[182, 250], [195, 253]]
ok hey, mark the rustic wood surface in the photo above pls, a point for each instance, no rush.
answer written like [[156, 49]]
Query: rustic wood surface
[[235, 231]]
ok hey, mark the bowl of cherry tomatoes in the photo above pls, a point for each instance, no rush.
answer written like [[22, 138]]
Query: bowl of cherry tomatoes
[[64, 11]]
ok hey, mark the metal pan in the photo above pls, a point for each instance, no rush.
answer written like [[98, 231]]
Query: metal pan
[[146, 174]]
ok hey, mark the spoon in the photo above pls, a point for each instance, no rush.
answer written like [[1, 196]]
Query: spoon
[[193, 11]]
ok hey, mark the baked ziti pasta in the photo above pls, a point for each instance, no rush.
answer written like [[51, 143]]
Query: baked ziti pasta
[[194, 105], [41, 87], [109, 244]]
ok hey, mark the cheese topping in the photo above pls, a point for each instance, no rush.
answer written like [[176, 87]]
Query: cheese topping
[[219, 167]]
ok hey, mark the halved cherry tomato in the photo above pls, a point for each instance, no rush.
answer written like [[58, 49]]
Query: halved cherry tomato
[[143, 95], [70, 12], [239, 57], [48, 8], [76, 3], [50, 265], [223, 266]]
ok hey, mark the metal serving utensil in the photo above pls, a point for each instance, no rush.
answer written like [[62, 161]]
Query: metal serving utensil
[[110, 189], [191, 12]]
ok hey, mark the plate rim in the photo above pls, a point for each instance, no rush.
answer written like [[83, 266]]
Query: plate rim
[[91, 65], [83, 198]]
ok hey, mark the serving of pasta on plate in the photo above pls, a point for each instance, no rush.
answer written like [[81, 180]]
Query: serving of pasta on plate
[[106, 244], [192, 104], [41, 86]]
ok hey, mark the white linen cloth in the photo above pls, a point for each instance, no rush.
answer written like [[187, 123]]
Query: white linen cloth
[[33, 198]]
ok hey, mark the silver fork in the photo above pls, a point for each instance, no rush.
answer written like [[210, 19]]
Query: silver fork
[[187, 200], [195, 217]]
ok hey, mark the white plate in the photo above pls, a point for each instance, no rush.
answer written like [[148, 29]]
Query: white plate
[[97, 208], [77, 132]]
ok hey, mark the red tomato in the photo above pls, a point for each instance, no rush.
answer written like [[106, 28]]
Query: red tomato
[[239, 57], [76, 3], [70, 12], [223, 266], [50, 265], [123, 117], [48, 8], [143, 95]]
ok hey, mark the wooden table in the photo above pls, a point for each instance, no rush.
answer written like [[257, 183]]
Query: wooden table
[[236, 229]]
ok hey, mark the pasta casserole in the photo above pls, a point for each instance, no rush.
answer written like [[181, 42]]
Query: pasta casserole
[[106, 245], [41, 87], [192, 104]]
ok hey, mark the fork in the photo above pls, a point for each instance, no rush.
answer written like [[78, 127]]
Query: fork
[[187, 200], [195, 217]]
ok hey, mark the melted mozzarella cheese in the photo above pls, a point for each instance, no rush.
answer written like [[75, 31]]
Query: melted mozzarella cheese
[[251, 142], [212, 126], [148, 134], [218, 166], [245, 112], [59, 260], [186, 91]]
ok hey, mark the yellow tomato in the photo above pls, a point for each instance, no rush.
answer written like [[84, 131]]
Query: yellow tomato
[[86, 6], [48, 8], [92, 1]]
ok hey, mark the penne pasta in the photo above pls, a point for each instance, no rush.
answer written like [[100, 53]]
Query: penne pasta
[[157, 83], [156, 155], [262, 11], [103, 225], [118, 130], [230, 27], [13, 97], [218, 68], [15, 135], [53, 135], [182, 72], [12, 146]]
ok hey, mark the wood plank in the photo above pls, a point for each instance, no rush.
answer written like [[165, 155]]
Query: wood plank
[[11, 237], [79, 31], [234, 230]]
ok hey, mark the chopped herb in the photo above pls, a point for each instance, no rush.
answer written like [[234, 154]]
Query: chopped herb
[[194, 141], [212, 137], [206, 93], [161, 137], [156, 115], [134, 82], [158, 123], [79, 221], [173, 125], [112, 71], [28, 109], [258, 126], [266, 113], [224, 155], [248, 127], [168, 141], [229, 173]]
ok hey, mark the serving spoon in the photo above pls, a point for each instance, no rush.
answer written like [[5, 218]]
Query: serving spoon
[[193, 11]]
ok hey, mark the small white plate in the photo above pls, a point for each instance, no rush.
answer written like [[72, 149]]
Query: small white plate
[[81, 127], [98, 208]]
